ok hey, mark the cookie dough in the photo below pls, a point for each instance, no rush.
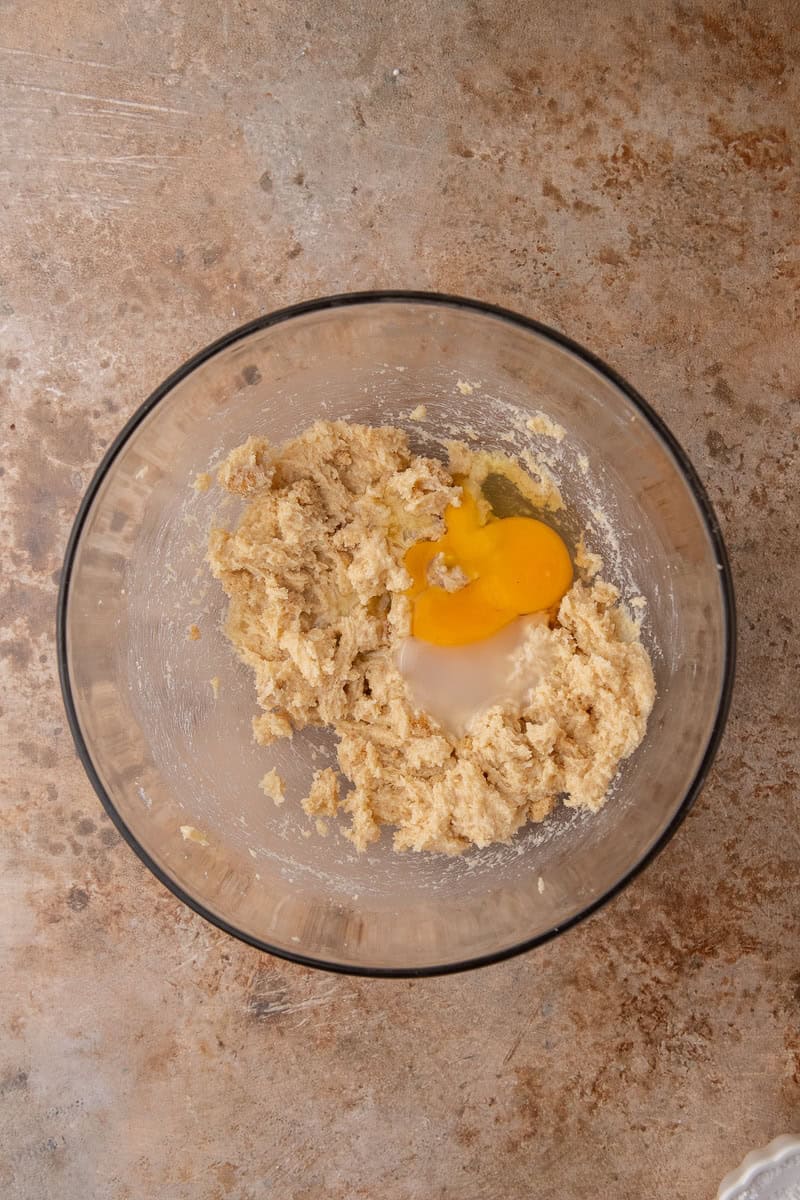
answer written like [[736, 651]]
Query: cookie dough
[[317, 610], [273, 786]]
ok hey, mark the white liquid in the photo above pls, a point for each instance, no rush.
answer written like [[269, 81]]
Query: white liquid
[[454, 684]]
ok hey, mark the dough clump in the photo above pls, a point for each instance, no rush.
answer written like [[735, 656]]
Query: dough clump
[[315, 578]]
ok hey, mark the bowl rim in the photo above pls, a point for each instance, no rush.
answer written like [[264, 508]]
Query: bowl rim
[[643, 408]]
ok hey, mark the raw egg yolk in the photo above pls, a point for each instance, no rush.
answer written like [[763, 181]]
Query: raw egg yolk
[[512, 566]]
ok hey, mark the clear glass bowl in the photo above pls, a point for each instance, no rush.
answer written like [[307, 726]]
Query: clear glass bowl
[[175, 765]]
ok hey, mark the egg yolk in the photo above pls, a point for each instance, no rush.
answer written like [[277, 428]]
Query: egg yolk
[[512, 566]]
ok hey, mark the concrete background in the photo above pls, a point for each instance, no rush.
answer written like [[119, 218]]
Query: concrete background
[[627, 172]]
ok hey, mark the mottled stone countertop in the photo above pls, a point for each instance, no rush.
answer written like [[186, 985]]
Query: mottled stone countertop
[[626, 172]]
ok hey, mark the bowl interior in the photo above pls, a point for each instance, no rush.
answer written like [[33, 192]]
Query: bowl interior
[[169, 753]]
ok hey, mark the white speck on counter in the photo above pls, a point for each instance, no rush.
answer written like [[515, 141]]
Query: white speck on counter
[[466, 389], [540, 885], [419, 413]]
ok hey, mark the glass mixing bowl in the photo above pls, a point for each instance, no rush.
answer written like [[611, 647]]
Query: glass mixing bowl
[[170, 752]]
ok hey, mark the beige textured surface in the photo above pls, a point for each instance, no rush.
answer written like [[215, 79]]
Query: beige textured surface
[[168, 170], [317, 579]]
